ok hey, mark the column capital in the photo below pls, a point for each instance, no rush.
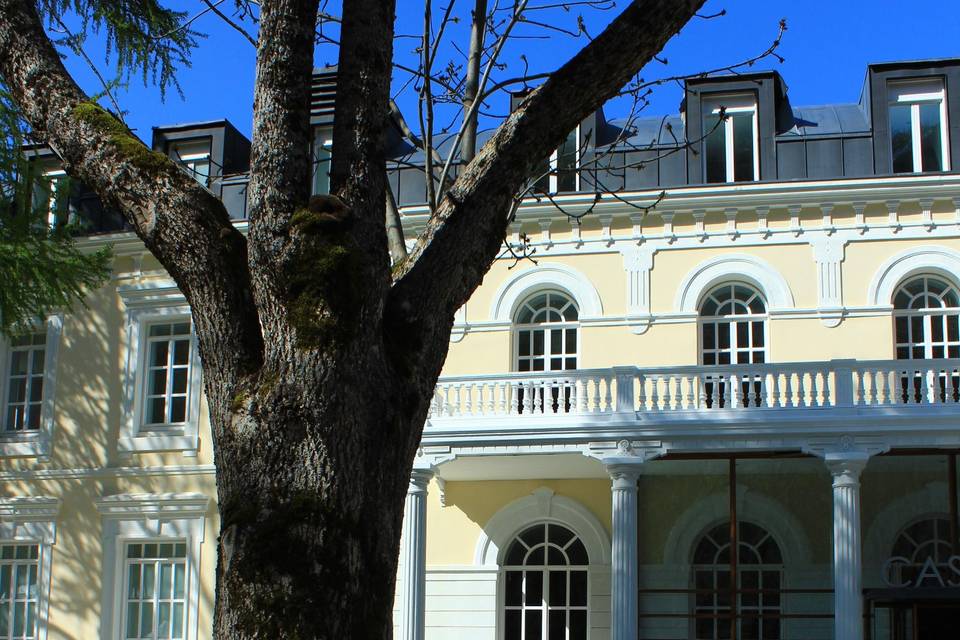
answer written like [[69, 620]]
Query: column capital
[[846, 466], [623, 471], [419, 479]]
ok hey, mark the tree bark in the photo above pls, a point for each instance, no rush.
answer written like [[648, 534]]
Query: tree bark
[[319, 365], [471, 84]]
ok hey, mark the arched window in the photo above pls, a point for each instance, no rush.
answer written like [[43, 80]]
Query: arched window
[[733, 321], [927, 319], [547, 333], [759, 574], [545, 585], [928, 538]]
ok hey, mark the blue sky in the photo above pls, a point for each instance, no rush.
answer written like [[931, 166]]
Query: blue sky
[[827, 47]]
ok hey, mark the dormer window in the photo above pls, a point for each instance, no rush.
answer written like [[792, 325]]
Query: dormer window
[[194, 157], [731, 144], [50, 195], [559, 174], [918, 126], [322, 144]]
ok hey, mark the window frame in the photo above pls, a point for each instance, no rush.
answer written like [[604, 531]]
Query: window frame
[[732, 104], [914, 92], [322, 140], [149, 518], [545, 570], [926, 314], [33, 520], [149, 304], [187, 161], [32, 442], [516, 328], [751, 317]]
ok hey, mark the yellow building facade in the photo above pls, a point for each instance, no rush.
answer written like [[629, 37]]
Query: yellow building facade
[[764, 362]]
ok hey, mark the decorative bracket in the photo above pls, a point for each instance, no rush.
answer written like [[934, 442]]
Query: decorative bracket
[[828, 251], [731, 214], [762, 224], [637, 262], [699, 217], [625, 451], [860, 220], [926, 207], [893, 218], [795, 227]]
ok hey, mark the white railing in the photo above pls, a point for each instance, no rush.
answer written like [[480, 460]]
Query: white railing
[[754, 387]]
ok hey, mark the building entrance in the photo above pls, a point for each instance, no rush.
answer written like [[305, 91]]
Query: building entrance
[[918, 620]]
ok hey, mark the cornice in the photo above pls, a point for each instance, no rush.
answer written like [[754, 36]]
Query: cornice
[[34, 509], [171, 505]]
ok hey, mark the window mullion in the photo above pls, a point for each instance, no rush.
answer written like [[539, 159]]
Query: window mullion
[[168, 400], [728, 146]]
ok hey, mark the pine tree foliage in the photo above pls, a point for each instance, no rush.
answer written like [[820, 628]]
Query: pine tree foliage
[[142, 36], [41, 268]]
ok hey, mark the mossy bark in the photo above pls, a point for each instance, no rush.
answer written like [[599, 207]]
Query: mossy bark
[[319, 360]]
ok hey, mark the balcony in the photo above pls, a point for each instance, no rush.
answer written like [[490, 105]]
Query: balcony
[[800, 399]]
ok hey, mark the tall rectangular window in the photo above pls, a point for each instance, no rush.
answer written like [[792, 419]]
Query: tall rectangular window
[[51, 193], [194, 157], [19, 594], [322, 145], [560, 172], [24, 399], [918, 127], [168, 373], [731, 143], [155, 580]]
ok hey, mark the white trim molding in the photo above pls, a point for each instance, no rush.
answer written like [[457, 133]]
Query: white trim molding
[[33, 520], [828, 252], [546, 275], [33, 442], [134, 517], [638, 262], [733, 267], [937, 259], [147, 303], [543, 505]]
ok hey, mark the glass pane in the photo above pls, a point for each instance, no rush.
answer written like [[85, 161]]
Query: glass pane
[[538, 343], [900, 138], [181, 329], [577, 554], [158, 354], [514, 589], [557, 625], [578, 625], [578, 588], [571, 340], [158, 411], [163, 620], [556, 341], [535, 557], [166, 581], [38, 355], [512, 625], [180, 380], [534, 587], [146, 620], [181, 352], [158, 381], [555, 557], [133, 582], [160, 330], [178, 580], [533, 625], [133, 617], [743, 147], [567, 163], [18, 363], [523, 346], [534, 535], [178, 409], [149, 579], [558, 588], [176, 630], [715, 156], [558, 535], [930, 141]]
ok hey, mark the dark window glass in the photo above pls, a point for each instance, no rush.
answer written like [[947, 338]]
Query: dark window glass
[[558, 588], [930, 147], [567, 162], [742, 147], [534, 590], [513, 620], [533, 626], [716, 149], [514, 589], [578, 588], [901, 138]]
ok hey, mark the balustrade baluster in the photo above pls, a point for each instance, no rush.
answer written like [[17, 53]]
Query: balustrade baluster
[[732, 395], [931, 378], [580, 396], [655, 393], [775, 389], [667, 383], [641, 392], [860, 390], [691, 392], [608, 395]]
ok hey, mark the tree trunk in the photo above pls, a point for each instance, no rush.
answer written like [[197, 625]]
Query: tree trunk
[[471, 84]]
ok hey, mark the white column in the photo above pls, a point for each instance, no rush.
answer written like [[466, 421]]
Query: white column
[[847, 570], [623, 595], [413, 557]]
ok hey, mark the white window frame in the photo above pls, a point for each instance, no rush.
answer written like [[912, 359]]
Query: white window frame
[[733, 104], [555, 162], [32, 442], [322, 139], [141, 517], [191, 157], [914, 93], [33, 520], [546, 328], [146, 304]]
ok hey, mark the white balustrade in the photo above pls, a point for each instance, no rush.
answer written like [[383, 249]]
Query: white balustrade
[[743, 387]]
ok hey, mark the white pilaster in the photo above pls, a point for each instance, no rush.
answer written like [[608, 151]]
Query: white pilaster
[[413, 557], [623, 595], [847, 567]]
